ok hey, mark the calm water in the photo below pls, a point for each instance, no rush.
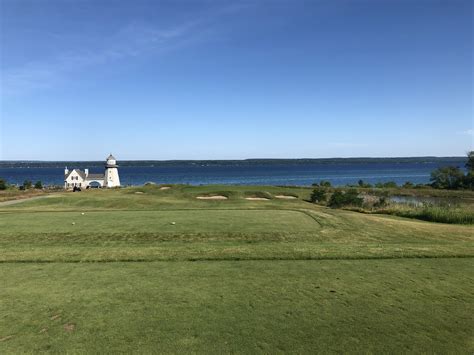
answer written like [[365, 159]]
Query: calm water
[[274, 174]]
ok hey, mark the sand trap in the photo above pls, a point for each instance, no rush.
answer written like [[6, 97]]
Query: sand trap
[[165, 187], [139, 192], [217, 197], [257, 198], [286, 197]]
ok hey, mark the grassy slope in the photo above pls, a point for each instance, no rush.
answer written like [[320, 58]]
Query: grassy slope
[[377, 306], [264, 305]]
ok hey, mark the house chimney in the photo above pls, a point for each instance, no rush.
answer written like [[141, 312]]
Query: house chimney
[[87, 172], [66, 171]]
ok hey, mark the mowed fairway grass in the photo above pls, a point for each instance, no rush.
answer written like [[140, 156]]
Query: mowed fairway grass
[[153, 270]]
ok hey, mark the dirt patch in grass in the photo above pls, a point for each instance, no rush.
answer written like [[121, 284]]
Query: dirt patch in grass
[[286, 197], [56, 316], [165, 187], [6, 338], [215, 197], [69, 327]]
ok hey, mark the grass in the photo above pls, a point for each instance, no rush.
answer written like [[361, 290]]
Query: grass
[[228, 275], [454, 215], [16, 194], [377, 306]]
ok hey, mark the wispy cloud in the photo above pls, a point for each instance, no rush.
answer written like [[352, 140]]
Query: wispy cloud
[[469, 132], [131, 40]]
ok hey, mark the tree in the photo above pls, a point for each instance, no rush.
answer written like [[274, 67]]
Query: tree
[[3, 184], [448, 177], [470, 162], [38, 185], [318, 195], [468, 182], [27, 184]]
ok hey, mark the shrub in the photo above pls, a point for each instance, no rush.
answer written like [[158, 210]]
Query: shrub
[[408, 185], [3, 184], [27, 184], [448, 177], [349, 198], [361, 183], [325, 183], [38, 185], [388, 185], [318, 195], [382, 202]]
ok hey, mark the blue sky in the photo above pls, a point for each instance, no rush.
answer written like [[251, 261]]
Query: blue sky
[[235, 80]]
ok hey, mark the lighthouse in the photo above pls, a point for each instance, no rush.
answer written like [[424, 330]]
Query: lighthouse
[[111, 178]]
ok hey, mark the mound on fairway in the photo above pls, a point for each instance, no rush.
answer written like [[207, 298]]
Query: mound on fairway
[[286, 197], [216, 197]]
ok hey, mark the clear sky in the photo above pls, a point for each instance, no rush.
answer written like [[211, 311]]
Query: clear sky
[[232, 80]]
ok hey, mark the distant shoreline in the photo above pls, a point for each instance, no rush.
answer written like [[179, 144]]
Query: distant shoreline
[[231, 162]]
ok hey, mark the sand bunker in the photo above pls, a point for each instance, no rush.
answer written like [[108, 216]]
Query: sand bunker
[[257, 198], [286, 197], [139, 192], [216, 197], [165, 187]]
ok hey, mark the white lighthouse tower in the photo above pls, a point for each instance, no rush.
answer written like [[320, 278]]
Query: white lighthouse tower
[[111, 178]]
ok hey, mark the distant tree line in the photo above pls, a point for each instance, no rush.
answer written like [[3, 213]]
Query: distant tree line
[[27, 184]]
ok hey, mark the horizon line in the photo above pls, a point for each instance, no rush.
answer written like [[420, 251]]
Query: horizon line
[[244, 159]]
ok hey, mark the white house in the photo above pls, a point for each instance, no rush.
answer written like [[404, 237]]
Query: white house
[[78, 178]]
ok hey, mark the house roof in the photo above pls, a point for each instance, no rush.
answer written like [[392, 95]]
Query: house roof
[[82, 174], [79, 172], [111, 157]]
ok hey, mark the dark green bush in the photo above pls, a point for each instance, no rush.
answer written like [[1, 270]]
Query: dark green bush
[[361, 183], [38, 185], [348, 198], [3, 184], [318, 195], [388, 184], [27, 184], [408, 185], [325, 183]]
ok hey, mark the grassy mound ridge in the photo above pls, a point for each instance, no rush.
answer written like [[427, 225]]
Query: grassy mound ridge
[[258, 194]]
